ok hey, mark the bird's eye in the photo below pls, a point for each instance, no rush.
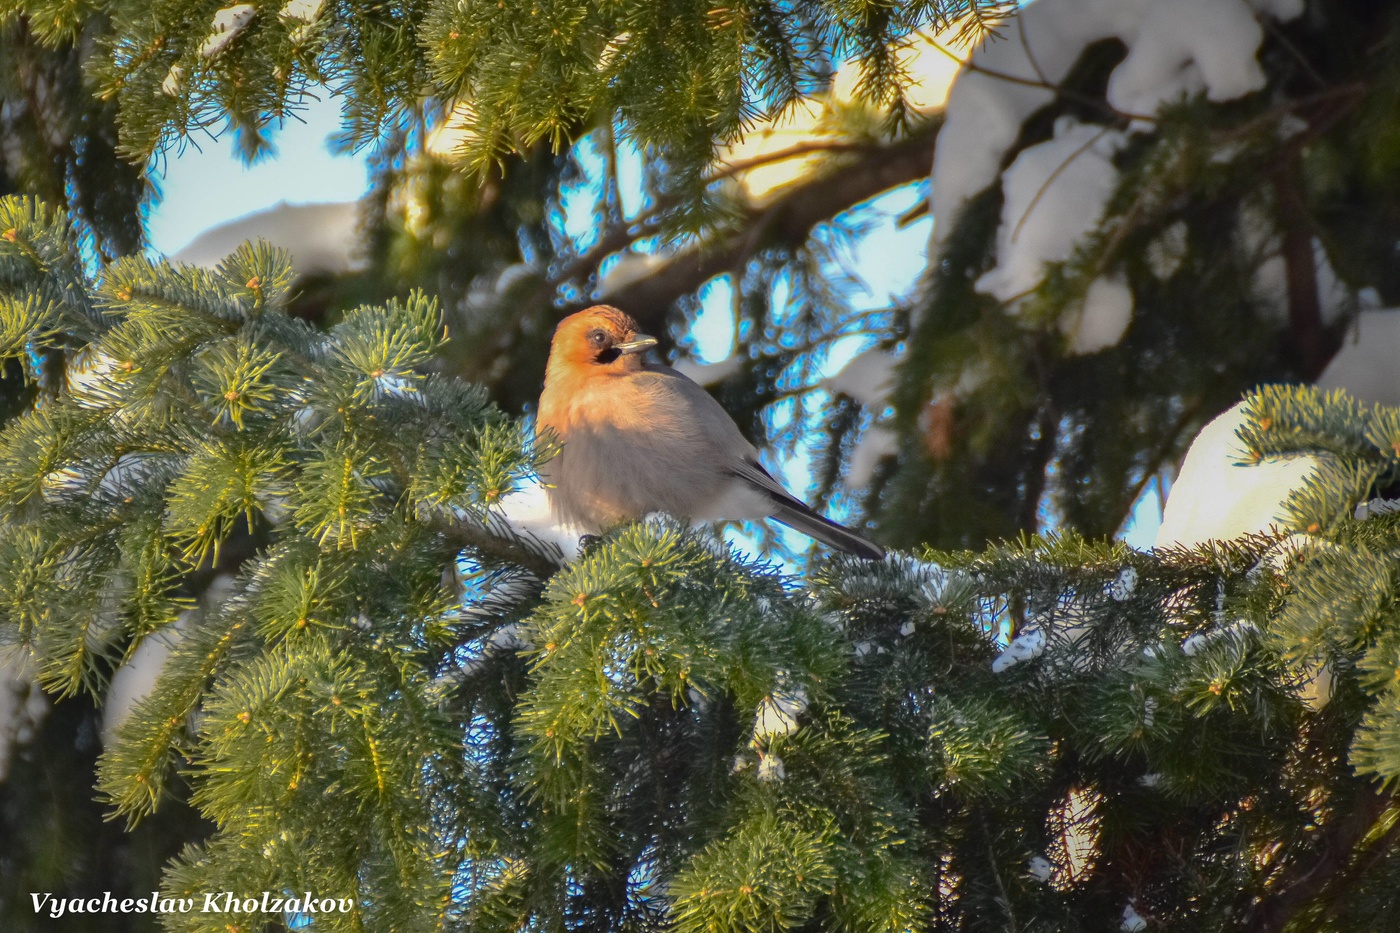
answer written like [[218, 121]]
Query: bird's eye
[[598, 338]]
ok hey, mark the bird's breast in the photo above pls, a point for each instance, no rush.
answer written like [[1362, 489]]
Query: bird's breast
[[624, 456]]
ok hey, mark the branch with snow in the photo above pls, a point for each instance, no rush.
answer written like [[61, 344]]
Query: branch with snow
[[778, 713], [228, 24], [1055, 192], [1175, 48], [1027, 646], [302, 11]]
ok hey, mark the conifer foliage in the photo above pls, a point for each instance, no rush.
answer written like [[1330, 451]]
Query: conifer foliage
[[400, 703], [380, 692]]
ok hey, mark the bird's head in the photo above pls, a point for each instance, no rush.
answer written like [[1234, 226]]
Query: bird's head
[[597, 340]]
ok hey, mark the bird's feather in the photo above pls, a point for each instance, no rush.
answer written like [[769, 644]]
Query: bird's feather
[[796, 514]]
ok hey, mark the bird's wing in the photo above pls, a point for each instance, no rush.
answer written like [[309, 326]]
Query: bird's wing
[[674, 400], [795, 513], [710, 434], [752, 472]]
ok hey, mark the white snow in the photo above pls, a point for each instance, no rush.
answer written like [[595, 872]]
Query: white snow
[[123, 475], [867, 378], [1376, 507], [984, 112], [1335, 298], [877, 443], [1270, 284], [777, 714], [302, 11], [1075, 824], [1202, 640], [1217, 495], [1183, 47], [710, 374], [507, 638], [1193, 645], [1122, 588], [128, 473], [1174, 47], [1040, 869], [60, 484], [90, 377], [136, 678], [1027, 646], [770, 768], [1287, 551], [1103, 319], [1132, 920], [22, 703], [174, 81], [1166, 252], [1316, 687], [227, 25], [615, 47], [322, 238], [1368, 364], [906, 629], [527, 511], [1055, 192]]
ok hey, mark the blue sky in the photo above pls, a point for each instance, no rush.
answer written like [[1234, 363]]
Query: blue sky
[[206, 184]]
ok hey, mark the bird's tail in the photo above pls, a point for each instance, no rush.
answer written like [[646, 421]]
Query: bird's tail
[[798, 516]]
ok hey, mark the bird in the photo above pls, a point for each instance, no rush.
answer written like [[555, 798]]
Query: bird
[[636, 437]]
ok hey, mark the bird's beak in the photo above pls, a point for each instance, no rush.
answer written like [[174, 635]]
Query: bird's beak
[[640, 343]]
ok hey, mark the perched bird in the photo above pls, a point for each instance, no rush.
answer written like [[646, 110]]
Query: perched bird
[[639, 438]]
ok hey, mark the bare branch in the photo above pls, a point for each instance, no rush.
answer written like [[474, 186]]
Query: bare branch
[[788, 220]]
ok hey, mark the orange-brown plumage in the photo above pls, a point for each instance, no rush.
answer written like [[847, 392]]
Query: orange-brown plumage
[[639, 438]]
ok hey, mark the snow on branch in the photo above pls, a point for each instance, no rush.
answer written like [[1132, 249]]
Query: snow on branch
[[228, 24]]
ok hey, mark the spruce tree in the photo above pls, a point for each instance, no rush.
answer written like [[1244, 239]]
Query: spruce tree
[[382, 694], [662, 733]]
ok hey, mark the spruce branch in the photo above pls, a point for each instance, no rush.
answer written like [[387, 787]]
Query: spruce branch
[[1342, 849], [495, 540]]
